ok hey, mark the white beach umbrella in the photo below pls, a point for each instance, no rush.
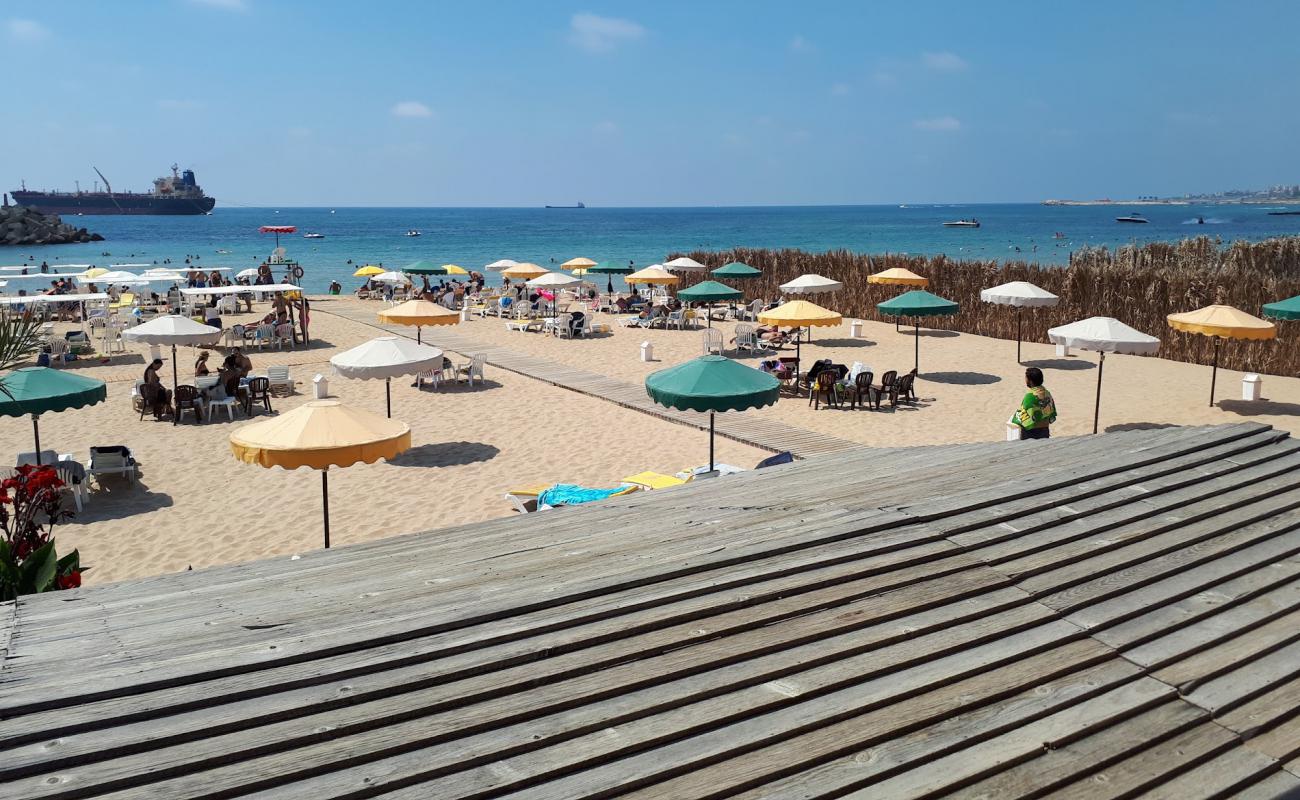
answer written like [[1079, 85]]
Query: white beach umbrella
[[505, 263], [684, 264], [811, 284], [553, 281], [385, 358], [391, 277], [1020, 294], [1104, 335], [159, 275], [114, 277], [248, 273], [173, 329]]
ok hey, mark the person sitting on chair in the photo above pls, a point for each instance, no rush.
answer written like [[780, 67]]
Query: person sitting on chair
[[155, 395]]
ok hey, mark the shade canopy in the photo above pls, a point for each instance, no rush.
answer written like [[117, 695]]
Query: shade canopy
[[277, 229], [367, 271], [1225, 321], [1021, 294], [811, 284], [320, 434], [578, 263], [391, 277], [709, 292], [898, 277], [419, 312], [736, 269], [653, 274], [452, 269], [712, 383], [421, 268], [525, 271], [93, 272], [684, 264], [40, 390], [118, 276], [553, 280], [173, 329], [610, 268], [917, 303], [1104, 335], [1283, 309], [800, 314], [247, 273], [386, 357], [504, 263]]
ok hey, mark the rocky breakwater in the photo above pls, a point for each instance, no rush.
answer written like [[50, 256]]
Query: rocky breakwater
[[20, 225]]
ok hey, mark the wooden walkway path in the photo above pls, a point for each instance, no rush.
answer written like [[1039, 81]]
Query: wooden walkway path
[[751, 429], [1091, 617]]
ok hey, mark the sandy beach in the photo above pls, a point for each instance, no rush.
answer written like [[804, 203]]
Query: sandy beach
[[195, 506]]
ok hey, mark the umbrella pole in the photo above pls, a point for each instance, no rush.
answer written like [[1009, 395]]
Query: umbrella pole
[[1096, 409], [175, 381], [418, 331], [710, 442], [36, 429], [1018, 359], [1214, 372], [325, 502], [388, 396], [917, 367]]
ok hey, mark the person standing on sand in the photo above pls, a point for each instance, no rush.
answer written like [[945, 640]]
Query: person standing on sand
[[1037, 409]]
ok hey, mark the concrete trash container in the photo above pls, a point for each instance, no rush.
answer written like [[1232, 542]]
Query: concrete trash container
[[855, 329], [647, 351], [320, 387], [1062, 351], [1251, 386]]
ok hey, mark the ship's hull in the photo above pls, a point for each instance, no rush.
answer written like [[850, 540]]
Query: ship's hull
[[90, 203]]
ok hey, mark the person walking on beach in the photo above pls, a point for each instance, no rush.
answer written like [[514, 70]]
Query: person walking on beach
[[1037, 409]]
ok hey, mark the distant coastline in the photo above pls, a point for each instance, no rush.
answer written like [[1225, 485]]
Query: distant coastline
[[1179, 201]]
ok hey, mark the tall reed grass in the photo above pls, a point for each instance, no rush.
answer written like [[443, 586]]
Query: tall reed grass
[[1139, 285]]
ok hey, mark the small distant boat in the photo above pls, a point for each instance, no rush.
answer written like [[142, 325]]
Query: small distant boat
[[1200, 220], [1134, 218], [1058, 235], [578, 205], [963, 223], [223, 252], [1284, 213], [412, 232], [313, 236]]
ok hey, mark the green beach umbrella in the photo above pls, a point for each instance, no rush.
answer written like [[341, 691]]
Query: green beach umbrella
[[611, 269], [916, 304], [737, 269], [37, 390], [709, 292], [1283, 309], [712, 383], [424, 268]]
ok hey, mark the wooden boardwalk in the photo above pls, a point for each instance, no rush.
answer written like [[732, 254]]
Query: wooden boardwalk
[[1099, 617], [751, 429]]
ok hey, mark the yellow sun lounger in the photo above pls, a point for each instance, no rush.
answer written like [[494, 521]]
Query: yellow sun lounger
[[522, 497], [654, 480]]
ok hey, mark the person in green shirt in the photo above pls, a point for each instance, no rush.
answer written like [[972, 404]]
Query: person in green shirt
[[1037, 409]]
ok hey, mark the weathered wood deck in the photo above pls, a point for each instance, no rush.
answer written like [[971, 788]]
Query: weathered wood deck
[[752, 429], [1092, 617]]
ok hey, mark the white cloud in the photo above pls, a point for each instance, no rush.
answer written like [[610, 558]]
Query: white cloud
[[224, 5], [884, 79], [944, 62], [841, 89], [26, 30], [597, 34], [412, 109], [801, 45], [938, 124], [179, 105]]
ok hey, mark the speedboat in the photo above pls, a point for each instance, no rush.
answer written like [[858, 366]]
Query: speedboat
[[413, 232], [963, 223], [1135, 218], [313, 236]]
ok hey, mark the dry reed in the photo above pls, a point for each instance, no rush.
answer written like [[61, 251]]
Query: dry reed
[[1137, 285]]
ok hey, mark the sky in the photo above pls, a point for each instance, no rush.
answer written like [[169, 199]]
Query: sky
[[666, 103]]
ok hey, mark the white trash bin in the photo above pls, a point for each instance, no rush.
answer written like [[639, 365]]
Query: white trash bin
[[1062, 351], [855, 329], [1013, 431], [1251, 386], [320, 387], [464, 315], [647, 351]]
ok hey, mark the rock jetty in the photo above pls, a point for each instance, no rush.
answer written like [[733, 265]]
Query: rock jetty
[[20, 225]]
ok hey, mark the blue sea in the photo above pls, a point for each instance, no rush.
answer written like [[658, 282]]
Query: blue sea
[[474, 237]]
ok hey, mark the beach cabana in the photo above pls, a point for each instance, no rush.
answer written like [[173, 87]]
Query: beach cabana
[[419, 313], [1288, 309], [712, 384], [684, 264], [709, 292], [1019, 294], [800, 314], [553, 281], [736, 270], [1103, 335], [173, 329], [610, 269], [320, 434], [368, 271], [384, 358], [501, 264], [916, 304], [1221, 322], [42, 390], [525, 271]]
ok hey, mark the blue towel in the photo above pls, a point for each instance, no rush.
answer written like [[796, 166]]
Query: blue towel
[[566, 494]]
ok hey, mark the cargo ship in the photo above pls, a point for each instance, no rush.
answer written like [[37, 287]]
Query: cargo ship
[[174, 194]]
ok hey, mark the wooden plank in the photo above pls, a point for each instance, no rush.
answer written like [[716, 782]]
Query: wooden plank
[[1275, 785], [1222, 777], [1247, 680], [1268, 710], [1203, 651], [1282, 739]]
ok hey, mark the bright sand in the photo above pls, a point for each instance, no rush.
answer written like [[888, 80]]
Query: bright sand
[[195, 505]]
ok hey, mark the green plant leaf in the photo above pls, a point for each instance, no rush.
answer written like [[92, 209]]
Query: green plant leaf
[[38, 570]]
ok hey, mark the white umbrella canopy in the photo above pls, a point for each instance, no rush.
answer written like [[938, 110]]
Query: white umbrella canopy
[[1104, 335], [391, 277], [505, 263], [115, 276], [248, 273], [173, 329], [1020, 294], [385, 358], [684, 264], [811, 284], [553, 280]]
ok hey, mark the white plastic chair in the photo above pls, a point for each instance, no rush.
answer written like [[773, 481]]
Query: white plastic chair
[[111, 462], [472, 370], [712, 338], [265, 335], [278, 379], [284, 335], [217, 398], [747, 338], [58, 350]]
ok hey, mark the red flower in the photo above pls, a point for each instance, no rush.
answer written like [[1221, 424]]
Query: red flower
[[70, 581]]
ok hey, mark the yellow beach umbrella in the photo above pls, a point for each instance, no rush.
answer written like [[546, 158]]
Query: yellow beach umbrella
[[898, 277], [527, 271], [653, 274], [452, 269], [419, 313], [576, 264], [1221, 322], [320, 434], [800, 314], [368, 271], [94, 272]]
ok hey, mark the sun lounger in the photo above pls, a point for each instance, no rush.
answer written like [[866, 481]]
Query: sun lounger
[[115, 460], [525, 325], [524, 499], [655, 480]]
